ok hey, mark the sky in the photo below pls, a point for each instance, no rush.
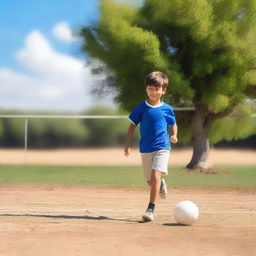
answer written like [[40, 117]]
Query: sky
[[41, 64]]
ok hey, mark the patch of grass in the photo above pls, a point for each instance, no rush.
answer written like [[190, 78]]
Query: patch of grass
[[240, 177], [71, 175]]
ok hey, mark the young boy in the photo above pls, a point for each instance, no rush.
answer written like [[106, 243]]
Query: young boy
[[155, 117]]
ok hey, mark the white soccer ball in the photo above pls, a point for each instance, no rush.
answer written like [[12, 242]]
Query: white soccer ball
[[186, 212]]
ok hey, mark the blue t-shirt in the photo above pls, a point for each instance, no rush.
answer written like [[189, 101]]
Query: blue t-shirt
[[154, 122]]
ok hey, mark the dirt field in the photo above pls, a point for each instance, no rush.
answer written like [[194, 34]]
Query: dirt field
[[114, 156], [64, 220]]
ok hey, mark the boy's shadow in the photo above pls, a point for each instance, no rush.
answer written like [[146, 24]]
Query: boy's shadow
[[85, 217]]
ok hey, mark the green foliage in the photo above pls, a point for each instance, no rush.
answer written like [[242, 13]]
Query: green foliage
[[12, 132], [206, 47], [128, 50], [56, 132], [240, 123], [49, 133], [185, 131], [241, 128], [1, 129], [106, 132]]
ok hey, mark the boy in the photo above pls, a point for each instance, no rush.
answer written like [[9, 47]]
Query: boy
[[154, 117]]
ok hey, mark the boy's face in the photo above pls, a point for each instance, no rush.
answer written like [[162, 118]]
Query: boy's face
[[155, 92]]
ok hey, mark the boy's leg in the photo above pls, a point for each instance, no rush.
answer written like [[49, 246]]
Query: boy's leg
[[163, 188], [151, 163], [160, 162], [154, 183]]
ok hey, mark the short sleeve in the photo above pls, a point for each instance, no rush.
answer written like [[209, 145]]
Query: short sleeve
[[170, 117], [135, 115]]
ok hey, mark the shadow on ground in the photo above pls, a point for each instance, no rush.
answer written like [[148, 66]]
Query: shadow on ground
[[84, 217]]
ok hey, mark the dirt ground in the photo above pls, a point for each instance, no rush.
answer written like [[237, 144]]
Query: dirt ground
[[66, 220], [114, 156]]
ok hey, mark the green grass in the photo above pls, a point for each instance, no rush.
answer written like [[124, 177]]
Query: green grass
[[239, 177]]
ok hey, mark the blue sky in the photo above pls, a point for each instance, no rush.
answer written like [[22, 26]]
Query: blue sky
[[19, 17], [41, 66]]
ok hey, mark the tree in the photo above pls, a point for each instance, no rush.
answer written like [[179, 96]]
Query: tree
[[206, 47]]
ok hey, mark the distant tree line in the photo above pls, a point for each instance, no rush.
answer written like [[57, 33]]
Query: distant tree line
[[56, 133]]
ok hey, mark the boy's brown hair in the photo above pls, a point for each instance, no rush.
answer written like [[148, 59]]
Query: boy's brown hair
[[157, 78]]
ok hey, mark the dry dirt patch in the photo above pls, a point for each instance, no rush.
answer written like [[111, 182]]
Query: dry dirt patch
[[114, 156], [68, 220]]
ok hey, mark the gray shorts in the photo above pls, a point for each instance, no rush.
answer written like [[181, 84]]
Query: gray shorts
[[157, 160]]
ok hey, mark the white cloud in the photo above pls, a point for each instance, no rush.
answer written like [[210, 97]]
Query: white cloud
[[52, 81], [38, 56], [63, 32]]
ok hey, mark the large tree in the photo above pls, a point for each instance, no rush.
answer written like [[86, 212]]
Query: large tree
[[206, 47]]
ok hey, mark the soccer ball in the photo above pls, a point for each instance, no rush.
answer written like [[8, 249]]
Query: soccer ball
[[186, 212]]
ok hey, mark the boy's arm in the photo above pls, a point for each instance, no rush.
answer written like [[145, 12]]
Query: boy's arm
[[127, 148], [174, 133]]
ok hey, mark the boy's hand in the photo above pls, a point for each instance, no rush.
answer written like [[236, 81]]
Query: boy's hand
[[174, 139], [127, 151]]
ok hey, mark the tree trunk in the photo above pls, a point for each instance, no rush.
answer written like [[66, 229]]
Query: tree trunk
[[200, 128]]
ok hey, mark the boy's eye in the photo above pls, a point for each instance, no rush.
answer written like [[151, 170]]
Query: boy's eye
[[153, 88]]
